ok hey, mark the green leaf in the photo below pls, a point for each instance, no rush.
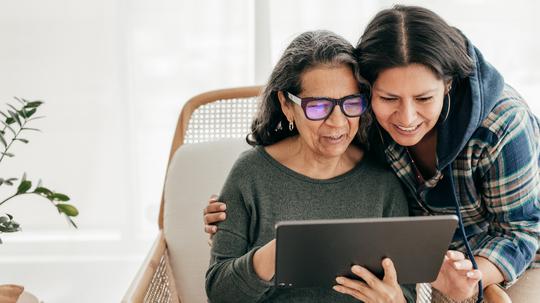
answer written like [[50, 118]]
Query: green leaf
[[27, 113], [13, 108], [71, 221], [15, 115], [43, 191], [33, 104], [8, 155], [3, 219], [67, 209], [59, 197], [3, 140], [9, 229], [8, 181], [24, 187], [36, 118], [29, 128], [22, 140], [9, 127]]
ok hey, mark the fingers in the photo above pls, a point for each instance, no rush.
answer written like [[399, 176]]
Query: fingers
[[212, 218], [463, 265], [455, 255], [390, 274], [214, 207], [465, 268], [474, 275], [356, 289], [210, 229], [366, 275]]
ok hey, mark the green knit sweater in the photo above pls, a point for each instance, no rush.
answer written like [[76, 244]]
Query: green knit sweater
[[260, 192]]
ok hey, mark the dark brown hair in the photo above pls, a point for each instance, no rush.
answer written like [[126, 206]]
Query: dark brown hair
[[405, 35]]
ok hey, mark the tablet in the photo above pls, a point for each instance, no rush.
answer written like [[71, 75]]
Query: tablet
[[314, 252]]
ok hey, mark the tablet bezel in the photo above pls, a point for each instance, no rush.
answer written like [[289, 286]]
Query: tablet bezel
[[312, 253]]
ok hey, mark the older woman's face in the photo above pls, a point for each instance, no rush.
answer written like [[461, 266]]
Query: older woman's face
[[330, 137], [407, 102]]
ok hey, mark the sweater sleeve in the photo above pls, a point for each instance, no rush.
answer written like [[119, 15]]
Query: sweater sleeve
[[511, 191], [231, 276]]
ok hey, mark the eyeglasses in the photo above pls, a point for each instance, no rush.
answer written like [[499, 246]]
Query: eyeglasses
[[319, 108]]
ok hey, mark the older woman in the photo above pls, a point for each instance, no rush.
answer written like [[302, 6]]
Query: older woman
[[303, 166]]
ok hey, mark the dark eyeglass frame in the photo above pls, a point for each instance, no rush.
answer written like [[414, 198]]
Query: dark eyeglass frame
[[303, 102]]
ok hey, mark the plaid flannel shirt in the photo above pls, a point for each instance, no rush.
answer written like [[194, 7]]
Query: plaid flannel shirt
[[497, 181]]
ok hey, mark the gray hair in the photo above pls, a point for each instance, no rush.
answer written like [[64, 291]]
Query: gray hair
[[309, 50]]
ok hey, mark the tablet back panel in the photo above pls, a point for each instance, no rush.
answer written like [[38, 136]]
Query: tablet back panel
[[314, 253]]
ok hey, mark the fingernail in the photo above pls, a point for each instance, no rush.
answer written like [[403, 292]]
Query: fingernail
[[356, 268], [340, 280], [470, 274], [222, 216], [223, 207], [214, 228], [336, 288], [457, 265]]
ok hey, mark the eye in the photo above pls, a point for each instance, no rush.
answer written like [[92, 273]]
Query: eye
[[424, 99], [388, 99]]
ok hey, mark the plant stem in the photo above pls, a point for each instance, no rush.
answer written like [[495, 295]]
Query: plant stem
[[15, 195], [12, 140]]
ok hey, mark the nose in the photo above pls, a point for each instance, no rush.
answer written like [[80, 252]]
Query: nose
[[406, 113], [336, 118]]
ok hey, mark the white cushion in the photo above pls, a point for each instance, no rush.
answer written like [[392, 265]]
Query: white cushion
[[195, 172]]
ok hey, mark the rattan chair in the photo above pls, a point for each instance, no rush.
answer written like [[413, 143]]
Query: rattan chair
[[174, 269]]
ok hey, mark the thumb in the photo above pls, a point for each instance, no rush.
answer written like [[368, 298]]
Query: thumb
[[390, 275]]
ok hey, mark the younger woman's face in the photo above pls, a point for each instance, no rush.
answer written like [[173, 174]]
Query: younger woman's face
[[407, 102]]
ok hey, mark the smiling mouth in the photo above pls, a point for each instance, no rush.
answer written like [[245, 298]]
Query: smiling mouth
[[408, 129], [334, 138]]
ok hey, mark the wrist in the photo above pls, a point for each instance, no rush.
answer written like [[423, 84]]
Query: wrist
[[263, 262]]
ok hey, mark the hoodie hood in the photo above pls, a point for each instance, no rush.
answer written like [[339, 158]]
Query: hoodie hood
[[471, 100]]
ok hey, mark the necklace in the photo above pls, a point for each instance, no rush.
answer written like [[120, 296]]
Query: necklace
[[419, 178]]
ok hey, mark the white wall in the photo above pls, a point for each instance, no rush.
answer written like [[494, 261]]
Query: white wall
[[114, 75]]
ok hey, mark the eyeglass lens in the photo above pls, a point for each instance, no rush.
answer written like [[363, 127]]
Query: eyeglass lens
[[322, 108]]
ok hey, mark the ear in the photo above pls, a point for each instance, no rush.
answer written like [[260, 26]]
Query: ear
[[286, 107], [447, 86]]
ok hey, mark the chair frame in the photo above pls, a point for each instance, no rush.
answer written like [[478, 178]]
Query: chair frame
[[142, 281]]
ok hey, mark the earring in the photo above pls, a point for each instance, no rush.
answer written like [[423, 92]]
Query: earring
[[279, 127], [291, 125], [448, 107]]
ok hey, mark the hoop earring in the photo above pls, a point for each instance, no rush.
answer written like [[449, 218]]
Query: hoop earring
[[291, 125], [448, 107]]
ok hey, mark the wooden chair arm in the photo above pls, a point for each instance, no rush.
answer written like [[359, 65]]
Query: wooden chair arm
[[154, 279]]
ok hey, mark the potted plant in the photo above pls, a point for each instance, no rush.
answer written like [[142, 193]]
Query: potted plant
[[15, 123]]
